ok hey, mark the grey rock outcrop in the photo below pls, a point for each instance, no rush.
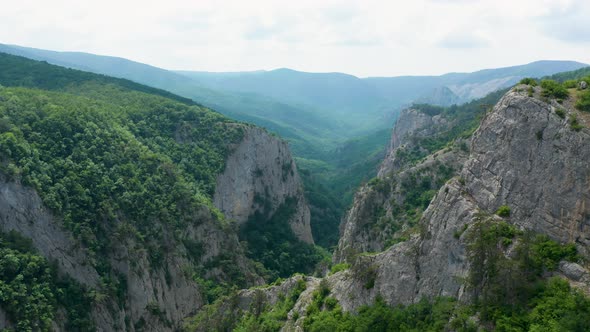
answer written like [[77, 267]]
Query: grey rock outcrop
[[371, 221], [411, 123], [527, 157], [261, 174], [523, 155], [226, 313]]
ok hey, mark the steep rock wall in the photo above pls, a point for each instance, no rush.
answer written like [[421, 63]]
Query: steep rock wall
[[261, 170], [523, 155], [372, 219]]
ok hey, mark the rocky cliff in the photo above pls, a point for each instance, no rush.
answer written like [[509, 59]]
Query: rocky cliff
[[384, 211], [411, 124], [525, 155], [159, 297], [259, 176]]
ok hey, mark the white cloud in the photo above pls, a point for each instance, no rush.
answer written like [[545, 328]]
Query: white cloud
[[567, 21], [366, 38], [463, 40]]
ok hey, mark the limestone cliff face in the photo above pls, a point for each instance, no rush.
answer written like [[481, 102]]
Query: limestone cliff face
[[411, 123], [523, 155], [372, 220], [527, 157], [224, 315], [259, 176]]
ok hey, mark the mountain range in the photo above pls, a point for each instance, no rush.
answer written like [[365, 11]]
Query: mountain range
[[315, 111]]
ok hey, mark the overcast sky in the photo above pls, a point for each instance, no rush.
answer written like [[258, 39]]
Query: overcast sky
[[364, 38]]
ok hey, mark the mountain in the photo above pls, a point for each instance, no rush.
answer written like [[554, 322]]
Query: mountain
[[477, 220], [315, 112], [466, 86], [311, 110], [342, 96], [346, 94], [307, 129], [118, 208]]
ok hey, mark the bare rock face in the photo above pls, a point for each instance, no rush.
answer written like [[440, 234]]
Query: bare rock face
[[523, 155], [370, 222], [4, 322], [427, 265], [527, 157], [224, 315], [259, 176], [410, 123]]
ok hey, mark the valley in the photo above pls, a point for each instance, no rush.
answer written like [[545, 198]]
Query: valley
[[135, 198]]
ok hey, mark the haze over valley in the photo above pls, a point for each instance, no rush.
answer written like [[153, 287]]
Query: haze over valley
[[240, 177]]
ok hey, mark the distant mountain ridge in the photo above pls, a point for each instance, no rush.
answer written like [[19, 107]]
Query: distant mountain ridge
[[346, 92], [344, 105]]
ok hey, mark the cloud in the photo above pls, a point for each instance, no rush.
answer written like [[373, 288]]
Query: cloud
[[264, 32], [568, 22], [365, 38], [463, 41]]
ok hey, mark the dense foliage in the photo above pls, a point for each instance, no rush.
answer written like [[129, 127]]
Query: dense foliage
[[553, 89], [271, 241], [119, 153], [116, 163], [325, 314], [553, 307], [31, 292], [510, 292], [571, 75], [331, 179], [18, 71]]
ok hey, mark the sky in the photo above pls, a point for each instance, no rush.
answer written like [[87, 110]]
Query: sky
[[363, 38]]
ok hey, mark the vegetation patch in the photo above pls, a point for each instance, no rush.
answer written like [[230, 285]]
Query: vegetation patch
[[31, 291], [509, 292], [271, 242], [575, 124], [528, 81], [583, 103], [553, 89], [339, 267], [560, 112], [262, 317], [503, 211]]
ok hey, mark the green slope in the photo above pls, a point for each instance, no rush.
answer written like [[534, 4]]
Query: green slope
[[301, 125]]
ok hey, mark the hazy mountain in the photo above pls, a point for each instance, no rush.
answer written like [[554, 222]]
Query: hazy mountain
[[297, 124], [336, 93], [309, 109], [467, 86]]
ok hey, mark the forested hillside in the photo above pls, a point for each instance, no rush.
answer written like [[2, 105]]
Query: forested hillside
[[126, 174]]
